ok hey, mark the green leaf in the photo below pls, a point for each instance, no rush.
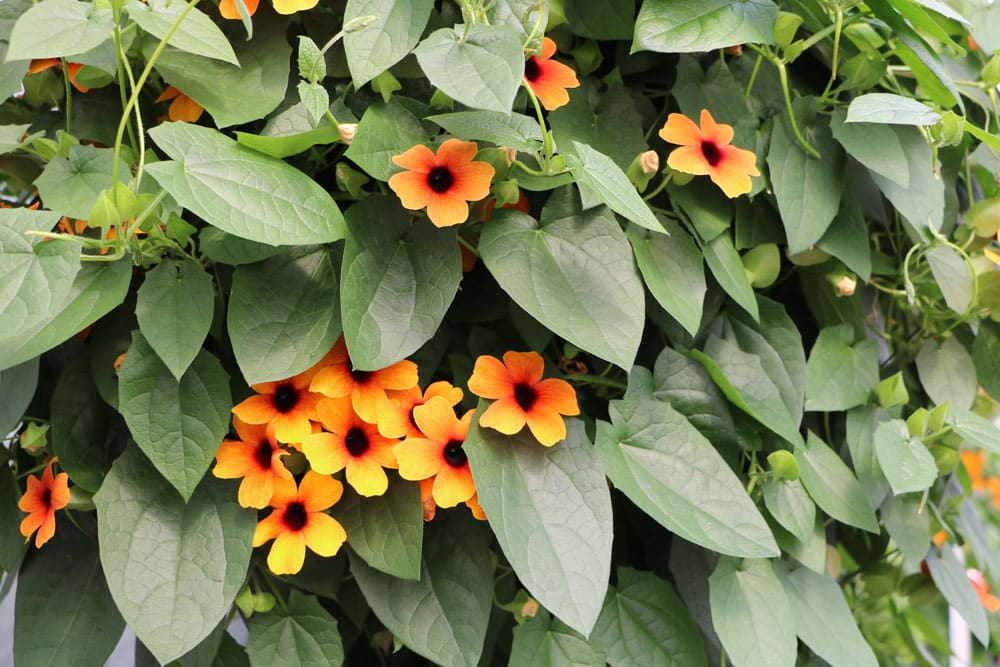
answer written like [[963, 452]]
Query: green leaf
[[909, 525], [444, 615], [304, 633], [953, 276], [687, 387], [12, 543], [832, 484], [197, 33], [673, 270], [975, 430], [174, 310], [17, 388], [55, 28], [950, 578], [480, 66], [548, 642], [173, 568], [791, 506], [385, 130], [947, 372], [316, 100], [823, 620], [643, 622], [285, 145], [241, 191], [666, 467], [550, 509], [11, 137], [516, 131], [905, 461], [727, 268], [751, 613], [672, 26], [607, 121], [385, 531], [178, 424], [847, 236], [311, 61], [80, 426], [601, 20], [284, 314], [398, 279], [890, 109], [860, 431], [575, 275], [986, 357], [63, 612], [600, 175], [841, 374], [72, 185], [522, 16], [380, 45], [710, 211], [223, 248], [807, 189]]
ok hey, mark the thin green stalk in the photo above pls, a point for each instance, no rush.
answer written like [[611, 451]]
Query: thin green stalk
[[69, 97], [753, 76], [839, 27], [123, 59], [547, 142], [783, 76], [659, 188]]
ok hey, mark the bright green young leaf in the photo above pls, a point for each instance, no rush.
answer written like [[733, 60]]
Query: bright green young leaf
[[80, 426], [241, 191], [71, 185], [55, 28], [727, 268], [551, 512], [751, 613], [12, 544], [316, 100], [673, 26], [612, 19], [599, 174], [950, 578], [284, 314], [304, 633], [674, 271], [575, 275], [197, 33], [17, 387], [386, 531], [311, 61], [397, 281], [791, 506], [905, 461], [544, 641], [282, 146], [909, 525], [377, 47], [174, 310], [841, 373], [178, 424], [63, 612], [173, 568], [947, 372], [385, 130], [953, 276], [442, 616], [823, 620], [516, 131], [832, 484], [890, 109], [687, 387], [643, 622], [975, 430]]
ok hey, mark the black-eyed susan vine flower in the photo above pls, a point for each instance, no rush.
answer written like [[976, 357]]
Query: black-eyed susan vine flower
[[549, 79], [289, 406], [256, 458], [229, 10], [298, 521], [438, 452], [181, 107], [72, 69], [444, 182], [394, 413], [707, 150], [520, 396], [41, 500]]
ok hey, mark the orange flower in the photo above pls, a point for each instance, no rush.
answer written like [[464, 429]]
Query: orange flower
[[990, 602], [438, 453], [42, 64], [549, 79], [337, 378], [522, 396], [256, 457], [474, 507], [298, 522], [351, 443], [229, 10], [288, 406], [292, 6], [708, 151], [182, 108], [975, 464], [395, 413], [443, 182], [76, 227], [427, 498], [41, 500]]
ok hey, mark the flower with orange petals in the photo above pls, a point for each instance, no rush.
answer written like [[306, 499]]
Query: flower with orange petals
[[708, 151], [474, 507], [182, 108], [975, 465], [990, 602], [41, 500], [443, 182], [438, 452], [549, 79], [337, 378], [42, 64], [395, 412], [298, 521], [229, 10], [289, 406], [352, 444], [522, 396], [256, 457]]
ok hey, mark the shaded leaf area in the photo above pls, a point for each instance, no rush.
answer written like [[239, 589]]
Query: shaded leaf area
[[301, 633]]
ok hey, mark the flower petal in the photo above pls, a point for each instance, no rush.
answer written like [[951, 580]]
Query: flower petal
[[46, 530], [287, 553], [447, 209], [234, 459], [268, 528], [548, 47], [547, 426], [472, 180], [336, 414], [436, 419], [679, 129], [720, 133], [453, 486], [733, 180], [366, 477], [418, 458], [229, 10], [444, 389], [419, 159], [292, 427], [453, 153], [689, 160], [524, 367], [256, 490], [412, 189], [319, 492], [292, 6], [257, 409], [490, 378], [505, 415], [334, 381], [325, 452], [556, 396], [401, 376], [324, 534]]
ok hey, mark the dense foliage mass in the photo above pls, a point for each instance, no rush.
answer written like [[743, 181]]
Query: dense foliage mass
[[507, 331]]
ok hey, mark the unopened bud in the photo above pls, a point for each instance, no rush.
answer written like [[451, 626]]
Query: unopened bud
[[735, 50], [510, 154], [529, 608], [650, 162], [347, 132], [846, 285]]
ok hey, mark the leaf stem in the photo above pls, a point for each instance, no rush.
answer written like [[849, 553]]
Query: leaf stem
[[783, 76], [69, 97]]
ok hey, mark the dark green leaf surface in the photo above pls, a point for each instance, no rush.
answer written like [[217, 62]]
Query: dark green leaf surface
[[544, 641], [947, 372], [516, 131], [890, 109], [686, 386], [841, 374], [80, 426], [385, 130], [17, 387], [832, 484], [12, 544], [303, 634], [600, 175]]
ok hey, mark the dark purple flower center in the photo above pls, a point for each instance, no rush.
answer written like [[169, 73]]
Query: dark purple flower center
[[47, 498], [454, 455], [356, 441], [263, 454], [285, 398], [525, 396], [360, 376], [440, 179], [531, 69], [295, 516], [711, 152]]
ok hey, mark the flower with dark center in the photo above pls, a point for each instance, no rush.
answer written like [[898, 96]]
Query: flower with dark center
[[438, 453], [548, 79], [41, 500], [707, 150], [256, 458], [288, 406]]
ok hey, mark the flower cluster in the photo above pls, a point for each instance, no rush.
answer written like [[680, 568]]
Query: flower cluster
[[359, 423]]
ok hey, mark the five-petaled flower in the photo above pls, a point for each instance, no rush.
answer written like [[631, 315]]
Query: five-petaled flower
[[443, 182], [288, 405], [549, 79], [41, 500], [522, 396], [182, 107], [438, 453], [395, 412], [298, 521], [72, 69], [256, 457], [708, 151]]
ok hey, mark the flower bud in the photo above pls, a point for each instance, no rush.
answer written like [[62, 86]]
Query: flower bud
[[846, 285], [650, 162], [510, 154], [529, 608], [642, 169], [347, 132]]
